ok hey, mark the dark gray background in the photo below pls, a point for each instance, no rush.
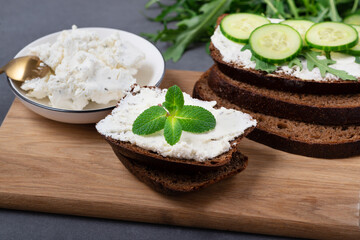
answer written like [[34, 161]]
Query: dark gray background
[[22, 22]]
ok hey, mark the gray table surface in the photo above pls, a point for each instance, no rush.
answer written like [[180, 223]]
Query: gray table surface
[[21, 22]]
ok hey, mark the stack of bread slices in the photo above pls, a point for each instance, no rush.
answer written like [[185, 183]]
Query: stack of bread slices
[[301, 116]]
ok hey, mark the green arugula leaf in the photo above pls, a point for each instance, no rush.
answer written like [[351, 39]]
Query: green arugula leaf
[[246, 47], [263, 66], [357, 59], [355, 6], [174, 99], [274, 11], [208, 47], [334, 15], [192, 28], [150, 3], [293, 8], [195, 19], [321, 15], [172, 130], [195, 119], [166, 13], [295, 62], [150, 121], [322, 64]]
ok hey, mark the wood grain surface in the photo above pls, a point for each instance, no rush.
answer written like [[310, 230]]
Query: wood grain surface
[[69, 169]]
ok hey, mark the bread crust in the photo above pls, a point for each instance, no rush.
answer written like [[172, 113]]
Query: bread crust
[[269, 103], [282, 82], [173, 183], [151, 158], [329, 150]]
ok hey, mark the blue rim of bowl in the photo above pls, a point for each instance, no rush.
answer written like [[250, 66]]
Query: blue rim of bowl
[[22, 97]]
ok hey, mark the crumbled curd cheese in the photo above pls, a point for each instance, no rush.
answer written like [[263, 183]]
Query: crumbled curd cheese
[[231, 53], [230, 124], [87, 68]]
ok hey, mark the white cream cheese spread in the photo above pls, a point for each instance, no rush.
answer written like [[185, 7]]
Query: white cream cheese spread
[[199, 147], [87, 68], [231, 53]]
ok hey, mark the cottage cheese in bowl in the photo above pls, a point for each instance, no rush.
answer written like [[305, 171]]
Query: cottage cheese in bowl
[[86, 68], [93, 68]]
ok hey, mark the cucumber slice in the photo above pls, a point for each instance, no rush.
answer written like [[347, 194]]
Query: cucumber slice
[[299, 25], [238, 26], [353, 19], [355, 51], [275, 43], [331, 36]]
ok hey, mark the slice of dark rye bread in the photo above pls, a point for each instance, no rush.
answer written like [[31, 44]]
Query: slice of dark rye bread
[[150, 158], [311, 108], [172, 175], [292, 136], [283, 82], [172, 182]]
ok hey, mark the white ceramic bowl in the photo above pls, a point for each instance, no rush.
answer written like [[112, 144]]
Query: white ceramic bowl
[[150, 74]]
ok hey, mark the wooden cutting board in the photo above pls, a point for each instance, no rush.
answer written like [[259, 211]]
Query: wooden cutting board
[[69, 169]]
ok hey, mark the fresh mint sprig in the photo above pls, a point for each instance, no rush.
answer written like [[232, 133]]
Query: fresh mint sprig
[[174, 117]]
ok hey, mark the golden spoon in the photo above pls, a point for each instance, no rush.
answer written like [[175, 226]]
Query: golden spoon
[[24, 68]]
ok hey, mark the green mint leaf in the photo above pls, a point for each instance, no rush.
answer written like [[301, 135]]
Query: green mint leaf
[[150, 121], [172, 130], [322, 64], [195, 119], [357, 59], [263, 66], [178, 117], [295, 62], [246, 47], [174, 99]]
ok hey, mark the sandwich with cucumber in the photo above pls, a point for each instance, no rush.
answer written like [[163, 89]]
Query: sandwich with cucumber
[[298, 55], [299, 79]]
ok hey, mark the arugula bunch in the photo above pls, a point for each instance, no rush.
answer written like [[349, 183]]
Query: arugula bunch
[[174, 117], [193, 21]]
